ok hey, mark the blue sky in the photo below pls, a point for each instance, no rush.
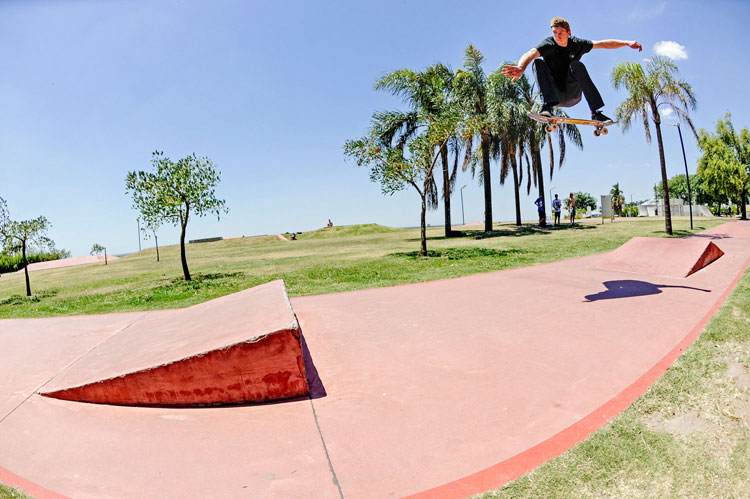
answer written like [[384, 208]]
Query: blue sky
[[272, 90]]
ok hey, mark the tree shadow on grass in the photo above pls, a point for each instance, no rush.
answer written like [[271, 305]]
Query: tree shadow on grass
[[460, 253], [35, 297], [524, 230], [204, 279], [178, 287], [527, 230]]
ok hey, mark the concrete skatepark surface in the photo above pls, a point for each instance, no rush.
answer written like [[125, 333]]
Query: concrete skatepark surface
[[69, 262], [441, 389]]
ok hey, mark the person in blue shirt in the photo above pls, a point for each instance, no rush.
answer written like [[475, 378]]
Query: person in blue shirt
[[540, 207], [560, 74]]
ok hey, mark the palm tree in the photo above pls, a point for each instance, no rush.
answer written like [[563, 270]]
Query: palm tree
[[509, 122], [473, 93], [617, 199], [649, 88], [535, 138], [429, 94]]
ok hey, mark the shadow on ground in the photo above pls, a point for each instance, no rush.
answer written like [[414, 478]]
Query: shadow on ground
[[628, 288], [460, 253]]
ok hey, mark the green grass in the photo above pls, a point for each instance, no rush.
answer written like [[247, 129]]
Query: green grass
[[323, 261], [687, 436], [11, 493]]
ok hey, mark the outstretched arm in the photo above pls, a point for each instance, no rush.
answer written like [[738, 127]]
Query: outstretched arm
[[515, 72], [616, 44]]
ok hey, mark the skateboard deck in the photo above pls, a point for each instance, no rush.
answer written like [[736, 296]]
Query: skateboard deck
[[552, 122]]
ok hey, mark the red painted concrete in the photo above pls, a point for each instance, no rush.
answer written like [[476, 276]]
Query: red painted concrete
[[444, 388], [239, 348], [662, 257]]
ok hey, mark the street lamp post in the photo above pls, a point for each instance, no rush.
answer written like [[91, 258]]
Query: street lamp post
[[138, 219], [463, 219], [687, 175], [552, 208]]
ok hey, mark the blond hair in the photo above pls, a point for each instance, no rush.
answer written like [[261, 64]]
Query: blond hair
[[559, 21]]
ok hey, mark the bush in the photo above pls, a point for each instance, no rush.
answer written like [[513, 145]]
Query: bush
[[12, 262], [630, 211]]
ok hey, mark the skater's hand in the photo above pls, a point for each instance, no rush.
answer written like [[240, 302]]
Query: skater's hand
[[512, 72], [635, 45]]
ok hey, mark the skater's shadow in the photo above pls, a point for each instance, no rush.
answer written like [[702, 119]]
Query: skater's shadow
[[627, 288]]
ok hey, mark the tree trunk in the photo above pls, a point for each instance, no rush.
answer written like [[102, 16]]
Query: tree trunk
[[486, 139], [105, 256], [423, 229], [543, 211], [743, 204], [664, 180], [446, 190], [516, 187], [185, 270], [157, 246], [26, 269], [183, 223]]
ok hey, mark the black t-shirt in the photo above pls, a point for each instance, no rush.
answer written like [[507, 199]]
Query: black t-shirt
[[558, 58]]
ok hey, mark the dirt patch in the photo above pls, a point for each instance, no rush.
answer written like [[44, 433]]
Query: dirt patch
[[681, 424], [738, 373]]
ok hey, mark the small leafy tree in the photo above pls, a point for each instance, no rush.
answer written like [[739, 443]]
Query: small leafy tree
[[175, 190], [406, 164], [19, 236], [97, 249], [152, 228], [618, 200], [724, 167], [584, 200]]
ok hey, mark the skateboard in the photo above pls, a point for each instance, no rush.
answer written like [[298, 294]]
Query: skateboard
[[552, 122]]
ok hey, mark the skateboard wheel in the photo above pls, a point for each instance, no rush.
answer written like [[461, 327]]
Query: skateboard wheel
[[605, 131], [548, 128], [554, 127], [597, 132]]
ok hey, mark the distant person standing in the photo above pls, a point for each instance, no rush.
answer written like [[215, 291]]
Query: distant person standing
[[540, 207], [330, 224], [572, 208], [556, 206]]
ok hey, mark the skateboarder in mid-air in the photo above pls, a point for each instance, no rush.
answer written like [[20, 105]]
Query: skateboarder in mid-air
[[560, 74]]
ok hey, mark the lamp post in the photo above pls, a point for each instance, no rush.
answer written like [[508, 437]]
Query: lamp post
[[463, 220], [552, 208], [138, 219], [687, 175]]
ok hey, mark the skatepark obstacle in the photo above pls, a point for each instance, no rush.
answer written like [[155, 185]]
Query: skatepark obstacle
[[661, 256], [239, 348]]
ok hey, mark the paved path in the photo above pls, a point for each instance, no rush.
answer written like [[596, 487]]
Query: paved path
[[443, 388]]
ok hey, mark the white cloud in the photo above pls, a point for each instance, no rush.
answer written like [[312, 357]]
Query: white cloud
[[673, 50], [643, 13], [665, 113]]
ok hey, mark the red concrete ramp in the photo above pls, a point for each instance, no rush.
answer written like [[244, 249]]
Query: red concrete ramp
[[661, 256], [243, 347]]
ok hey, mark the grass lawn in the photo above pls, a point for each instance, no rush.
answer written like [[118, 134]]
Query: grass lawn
[[11, 493], [323, 261], [686, 437]]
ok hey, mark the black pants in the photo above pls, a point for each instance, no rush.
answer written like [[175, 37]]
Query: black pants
[[578, 81]]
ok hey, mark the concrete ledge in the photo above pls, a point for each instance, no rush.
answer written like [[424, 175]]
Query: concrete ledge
[[239, 348]]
